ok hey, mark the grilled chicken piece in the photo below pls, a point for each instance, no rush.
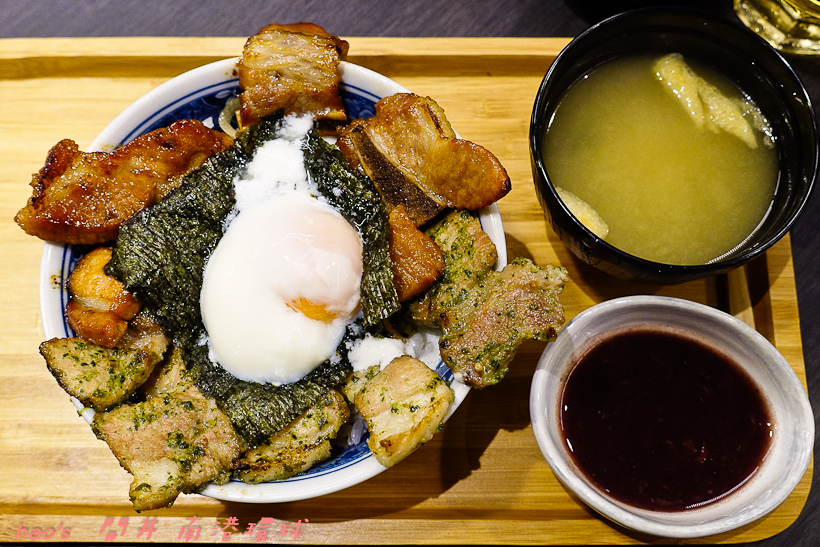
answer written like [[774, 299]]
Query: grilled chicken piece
[[99, 306], [413, 157], [291, 67], [299, 446], [404, 405], [101, 377], [417, 260], [172, 443], [483, 331], [83, 197], [469, 254]]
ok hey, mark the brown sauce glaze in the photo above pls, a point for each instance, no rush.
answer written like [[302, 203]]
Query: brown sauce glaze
[[663, 422]]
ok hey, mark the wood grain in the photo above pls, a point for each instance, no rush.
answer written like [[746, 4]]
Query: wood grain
[[482, 480]]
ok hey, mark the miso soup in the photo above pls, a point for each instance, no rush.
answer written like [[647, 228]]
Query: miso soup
[[674, 158]]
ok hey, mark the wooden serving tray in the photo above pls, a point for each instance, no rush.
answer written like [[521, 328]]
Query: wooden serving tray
[[481, 480]]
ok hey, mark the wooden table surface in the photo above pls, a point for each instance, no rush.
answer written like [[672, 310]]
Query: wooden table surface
[[481, 480]]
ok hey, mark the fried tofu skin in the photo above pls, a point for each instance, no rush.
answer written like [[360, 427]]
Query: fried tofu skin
[[298, 447], [291, 67], [404, 405], [411, 153], [483, 331], [99, 307], [468, 253], [83, 197], [101, 377], [172, 443], [417, 260]]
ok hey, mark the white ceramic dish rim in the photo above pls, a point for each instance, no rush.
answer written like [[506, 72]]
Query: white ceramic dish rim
[[133, 121], [772, 484]]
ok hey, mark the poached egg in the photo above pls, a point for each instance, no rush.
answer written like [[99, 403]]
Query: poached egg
[[283, 282]]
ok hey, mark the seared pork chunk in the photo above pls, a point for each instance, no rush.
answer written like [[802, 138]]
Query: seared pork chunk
[[417, 260], [291, 67], [469, 254], [83, 197], [404, 405], [101, 377], [298, 447], [99, 306], [411, 153], [172, 443], [483, 331]]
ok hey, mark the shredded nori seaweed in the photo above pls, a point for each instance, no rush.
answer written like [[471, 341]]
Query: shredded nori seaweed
[[161, 253]]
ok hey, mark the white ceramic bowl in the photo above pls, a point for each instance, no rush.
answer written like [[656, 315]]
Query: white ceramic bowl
[[783, 466], [202, 94]]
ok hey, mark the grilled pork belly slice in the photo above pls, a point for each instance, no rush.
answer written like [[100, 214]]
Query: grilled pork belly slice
[[394, 185], [171, 443], [357, 380], [411, 153], [484, 329], [83, 197], [291, 67], [417, 260], [404, 405], [171, 376], [469, 254], [101, 377], [298, 447], [99, 306]]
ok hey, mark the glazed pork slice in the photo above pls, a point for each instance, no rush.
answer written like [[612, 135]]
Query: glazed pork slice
[[404, 405], [416, 259], [294, 68], [171, 443], [298, 447], [411, 153], [483, 331], [101, 377], [83, 197], [99, 307]]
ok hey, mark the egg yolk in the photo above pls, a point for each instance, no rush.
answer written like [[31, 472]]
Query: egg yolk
[[317, 312]]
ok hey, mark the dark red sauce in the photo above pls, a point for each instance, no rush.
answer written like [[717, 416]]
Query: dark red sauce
[[663, 422]]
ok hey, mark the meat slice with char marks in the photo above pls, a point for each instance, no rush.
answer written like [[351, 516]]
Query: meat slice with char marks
[[414, 158], [172, 443], [484, 330], [298, 447], [291, 67], [404, 405], [101, 377], [83, 197]]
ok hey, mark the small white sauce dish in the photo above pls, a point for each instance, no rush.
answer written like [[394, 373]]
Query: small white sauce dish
[[781, 469]]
